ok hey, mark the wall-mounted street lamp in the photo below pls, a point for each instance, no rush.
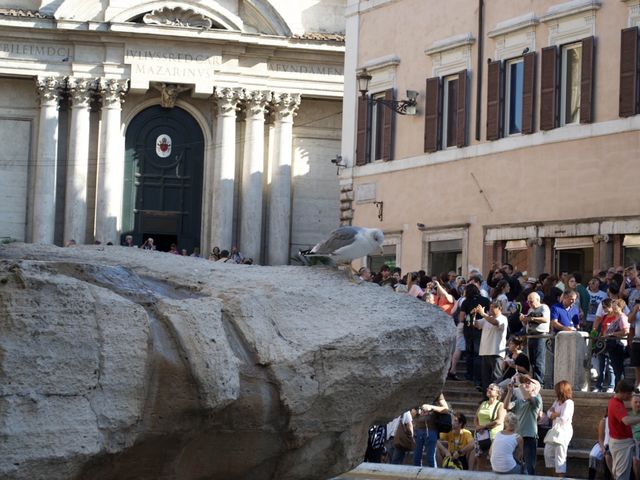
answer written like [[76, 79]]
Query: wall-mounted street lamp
[[403, 107]]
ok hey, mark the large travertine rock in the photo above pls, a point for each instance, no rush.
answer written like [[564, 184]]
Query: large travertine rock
[[119, 363]]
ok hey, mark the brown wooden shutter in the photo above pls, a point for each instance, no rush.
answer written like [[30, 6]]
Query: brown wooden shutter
[[494, 107], [548, 88], [361, 138], [586, 79], [529, 93], [387, 127], [461, 127], [432, 115], [628, 96]]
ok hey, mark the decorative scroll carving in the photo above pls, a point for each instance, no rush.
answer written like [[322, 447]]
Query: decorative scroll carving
[[256, 102], [169, 93], [286, 105], [80, 91], [49, 89], [112, 92], [177, 17], [227, 100]]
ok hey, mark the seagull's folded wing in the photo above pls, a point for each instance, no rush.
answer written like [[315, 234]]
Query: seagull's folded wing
[[340, 237]]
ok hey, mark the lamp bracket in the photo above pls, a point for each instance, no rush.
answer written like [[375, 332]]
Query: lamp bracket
[[402, 107], [380, 206]]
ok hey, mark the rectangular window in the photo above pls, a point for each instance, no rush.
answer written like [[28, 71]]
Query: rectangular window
[[388, 258], [377, 127], [570, 73], [445, 255], [514, 88], [449, 111]]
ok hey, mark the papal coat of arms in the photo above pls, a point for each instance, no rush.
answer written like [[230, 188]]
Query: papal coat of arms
[[163, 146]]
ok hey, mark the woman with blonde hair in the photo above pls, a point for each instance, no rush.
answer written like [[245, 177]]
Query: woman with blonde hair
[[558, 438], [506, 449]]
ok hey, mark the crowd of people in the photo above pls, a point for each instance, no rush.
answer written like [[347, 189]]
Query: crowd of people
[[503, 324], [504, 438], [217, 255], [504, 435], [510, 304]]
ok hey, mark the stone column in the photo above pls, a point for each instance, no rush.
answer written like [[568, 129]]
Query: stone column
[[44, 200], [75, 208], [280, 189], [224, 169], [110, 162], [252, 175], [573, 349]]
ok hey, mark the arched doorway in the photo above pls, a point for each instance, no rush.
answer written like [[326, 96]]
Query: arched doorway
[[163, 178]]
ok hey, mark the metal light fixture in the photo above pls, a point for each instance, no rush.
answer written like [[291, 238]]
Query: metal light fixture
[[337, 161], [403, 107]]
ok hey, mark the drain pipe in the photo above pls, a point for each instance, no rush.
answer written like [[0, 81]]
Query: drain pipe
[[480, 63]]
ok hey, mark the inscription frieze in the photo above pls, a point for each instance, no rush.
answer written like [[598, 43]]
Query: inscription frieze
[[157, 63], [35, 50], [314, 69]]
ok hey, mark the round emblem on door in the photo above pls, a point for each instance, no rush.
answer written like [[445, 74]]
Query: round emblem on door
[[163, 146]]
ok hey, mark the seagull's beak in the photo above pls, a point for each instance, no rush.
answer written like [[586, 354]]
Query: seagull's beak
[[380, 249]]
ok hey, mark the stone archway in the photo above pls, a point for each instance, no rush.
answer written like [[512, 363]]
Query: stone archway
[[164, 159]]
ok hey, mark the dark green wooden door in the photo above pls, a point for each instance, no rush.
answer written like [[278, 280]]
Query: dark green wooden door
[[163, 178]]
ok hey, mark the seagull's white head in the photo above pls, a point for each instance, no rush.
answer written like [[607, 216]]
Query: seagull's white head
[[377, 237]]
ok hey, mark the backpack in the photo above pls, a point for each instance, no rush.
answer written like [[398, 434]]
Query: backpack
[[448, 462], [444, 422]]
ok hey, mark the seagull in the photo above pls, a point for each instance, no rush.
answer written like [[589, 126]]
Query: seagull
[[345, 244]]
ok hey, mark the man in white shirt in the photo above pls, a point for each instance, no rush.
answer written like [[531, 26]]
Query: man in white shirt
[[595, 299], [536, 322], [493, 342]]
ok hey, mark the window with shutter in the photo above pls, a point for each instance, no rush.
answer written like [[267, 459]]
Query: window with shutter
[[586, 80], [461, 117], [361, 138], [449, 111], [570, 83], [432, 115], [548, 88], [494, 94], [629, 88], [514, 80], [377, 127], [387, 128], [528, 92]]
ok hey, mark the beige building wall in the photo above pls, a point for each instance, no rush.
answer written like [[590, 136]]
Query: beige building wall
[[575, 175]]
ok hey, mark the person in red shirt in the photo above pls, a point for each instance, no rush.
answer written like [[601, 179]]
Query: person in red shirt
[[621, 444]]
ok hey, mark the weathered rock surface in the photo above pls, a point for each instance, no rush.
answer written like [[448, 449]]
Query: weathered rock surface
[[119, 363]]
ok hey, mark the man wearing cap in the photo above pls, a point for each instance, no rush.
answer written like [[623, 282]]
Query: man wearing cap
[[526, 405]]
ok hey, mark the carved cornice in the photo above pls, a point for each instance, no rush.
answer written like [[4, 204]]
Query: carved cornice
[[80, 91], [255, 102], [286, 105], [177, 17], [49, 89], [226, 100], [112, 92], [18, 12]]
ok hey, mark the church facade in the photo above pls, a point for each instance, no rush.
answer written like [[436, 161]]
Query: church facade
[[200, 122]]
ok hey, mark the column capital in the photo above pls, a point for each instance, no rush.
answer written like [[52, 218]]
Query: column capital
[[256, 102], [112, 91], [49, 89], [286, 105], [226, 100], [80, 90]]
